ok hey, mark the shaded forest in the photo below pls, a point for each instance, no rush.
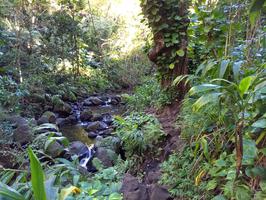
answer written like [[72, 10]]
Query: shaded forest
[[132, 99]]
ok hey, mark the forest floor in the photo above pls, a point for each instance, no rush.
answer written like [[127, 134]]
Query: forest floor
[[172, 143]]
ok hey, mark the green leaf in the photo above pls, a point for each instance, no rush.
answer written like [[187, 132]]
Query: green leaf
[[236, 69], [244, 85], [180, 52], [219, 197], [179, 79], [8, 193], [263, 185], [204, 145], [51, 191], [211, 184], [154, 11], [158, 18], [261, 123], [208, 67], [203, 88], [37, 177], [172, 66], [249, 151], [205, 99], [223, 68], [243, 192], [115, 196]]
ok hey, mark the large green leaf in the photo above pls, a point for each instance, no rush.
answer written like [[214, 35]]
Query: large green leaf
[[261, 123], [179, 79], [203, 88], [223, 68], [51, 191], [249, 151], [37, 177], [205, 99], [236, 69], [245, 84], [8, 193]]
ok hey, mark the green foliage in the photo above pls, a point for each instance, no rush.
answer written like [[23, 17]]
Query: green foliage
[[139, 132], [37, 177], [10, 93], [177, 174], [9, 193], [148, 94], [225, 95]]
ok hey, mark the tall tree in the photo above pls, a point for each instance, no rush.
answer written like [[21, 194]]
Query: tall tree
[[169, 22]]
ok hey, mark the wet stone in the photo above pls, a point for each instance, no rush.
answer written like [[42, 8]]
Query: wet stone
[[92, 134]]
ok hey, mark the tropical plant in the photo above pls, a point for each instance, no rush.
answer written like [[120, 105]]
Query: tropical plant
[[138, 132]]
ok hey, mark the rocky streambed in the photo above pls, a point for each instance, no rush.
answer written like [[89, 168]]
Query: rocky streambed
[[87, 124], [89, 128]]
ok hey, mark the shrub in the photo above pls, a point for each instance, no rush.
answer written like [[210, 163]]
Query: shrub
[[148, 94], [138, 132]]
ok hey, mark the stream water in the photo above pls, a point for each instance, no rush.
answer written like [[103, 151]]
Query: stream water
[[91, 118]]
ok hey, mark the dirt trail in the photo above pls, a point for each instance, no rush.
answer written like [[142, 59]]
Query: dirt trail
[[172, 142]]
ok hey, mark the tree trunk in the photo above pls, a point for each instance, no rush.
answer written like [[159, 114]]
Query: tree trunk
[[164, 54]]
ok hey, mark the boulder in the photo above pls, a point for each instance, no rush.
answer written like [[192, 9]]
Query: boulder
[[8, 157], [55, 149], [42, 120], [94, 101], [17, 121], [107, 118], [86, 115], [115, 100], [87, 102], [106, 156], [158, 192], [77, 148], [106, 132], [69, 96], [132, 189], [96, 126], [37, 98], [51, 117], [61, 107], [70, 120], [92, 134], [153, 176], [60, 122], [96, 117], [22, 134]]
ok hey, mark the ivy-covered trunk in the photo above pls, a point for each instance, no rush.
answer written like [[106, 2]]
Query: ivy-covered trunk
[[169, 22]]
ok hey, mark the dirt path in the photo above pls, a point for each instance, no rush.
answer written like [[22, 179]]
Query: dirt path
[[172, 142]]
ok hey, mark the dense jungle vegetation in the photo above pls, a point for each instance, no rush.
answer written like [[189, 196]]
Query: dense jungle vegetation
[[132, 99]]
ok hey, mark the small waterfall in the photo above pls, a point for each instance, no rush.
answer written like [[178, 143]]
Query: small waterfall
[[107, 103], [88, 156]]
